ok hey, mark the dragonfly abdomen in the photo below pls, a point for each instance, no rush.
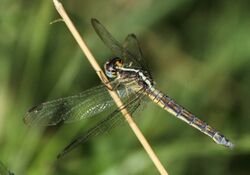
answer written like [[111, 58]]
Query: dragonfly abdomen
[[178, 111]]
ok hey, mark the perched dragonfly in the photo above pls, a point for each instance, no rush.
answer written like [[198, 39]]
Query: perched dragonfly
[[132, 82]]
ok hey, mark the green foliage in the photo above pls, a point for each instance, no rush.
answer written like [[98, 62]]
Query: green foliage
[[198, 52]]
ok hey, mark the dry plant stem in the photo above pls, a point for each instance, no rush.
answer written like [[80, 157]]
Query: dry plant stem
[[113, 94]]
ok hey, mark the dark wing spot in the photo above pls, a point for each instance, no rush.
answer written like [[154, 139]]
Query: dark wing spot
[[36, 108]]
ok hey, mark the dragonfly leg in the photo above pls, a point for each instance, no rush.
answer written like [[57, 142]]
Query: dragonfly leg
[[105, 81], [102, 76]]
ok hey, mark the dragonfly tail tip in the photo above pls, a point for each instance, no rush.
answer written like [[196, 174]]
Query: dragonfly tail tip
[[231, 146]]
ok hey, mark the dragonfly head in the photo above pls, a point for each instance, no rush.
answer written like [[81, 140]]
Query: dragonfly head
[[112, 66]]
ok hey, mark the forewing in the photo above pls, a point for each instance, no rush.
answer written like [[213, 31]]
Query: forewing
[[129, 54], [112, 120], [131, 45], [73, 108], [107, 38], [133, 52]]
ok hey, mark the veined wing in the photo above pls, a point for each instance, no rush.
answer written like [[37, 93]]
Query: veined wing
[[117, 49], [73, 108], [105, 125], [107, 38], [131, 44]]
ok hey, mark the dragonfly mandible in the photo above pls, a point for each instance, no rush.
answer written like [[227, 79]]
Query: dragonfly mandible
[[132, 82]]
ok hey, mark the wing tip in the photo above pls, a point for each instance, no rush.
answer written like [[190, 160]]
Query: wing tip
[[94, 21], [26, 120]]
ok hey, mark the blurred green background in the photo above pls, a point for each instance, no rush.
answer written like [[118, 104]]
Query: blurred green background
[[198, 52]]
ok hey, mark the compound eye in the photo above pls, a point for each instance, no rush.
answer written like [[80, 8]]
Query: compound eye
[[111, 74], [119, 63]]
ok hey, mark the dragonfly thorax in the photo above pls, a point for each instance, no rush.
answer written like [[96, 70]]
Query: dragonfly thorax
[[115, 68]]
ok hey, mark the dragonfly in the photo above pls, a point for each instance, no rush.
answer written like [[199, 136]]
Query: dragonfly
[[130, 78]]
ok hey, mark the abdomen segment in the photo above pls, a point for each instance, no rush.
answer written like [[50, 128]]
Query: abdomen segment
[[178, 111]]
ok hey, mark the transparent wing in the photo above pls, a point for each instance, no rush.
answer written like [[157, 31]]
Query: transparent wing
[[117, 49], [131, 44], [107, 38], [73, 108], [114, 119]]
